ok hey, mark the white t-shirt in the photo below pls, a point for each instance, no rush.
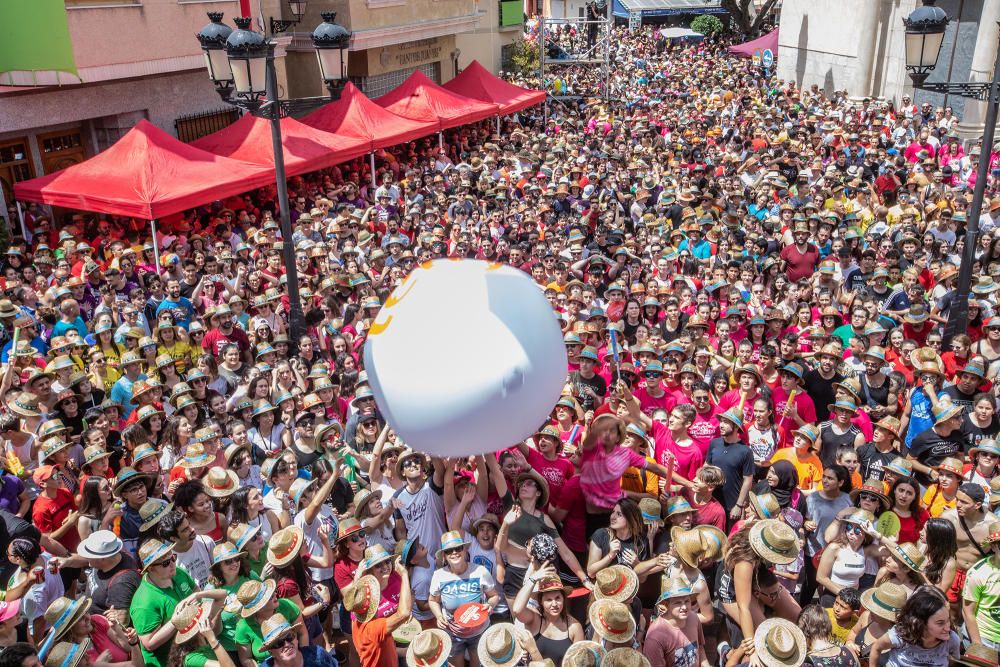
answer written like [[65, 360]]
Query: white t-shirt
[[39, 597], [197, 561], [473, 585], [420, 583], [310, 532], [423, 513]]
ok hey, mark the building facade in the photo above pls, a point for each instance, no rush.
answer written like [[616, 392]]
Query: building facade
[[865, 55]]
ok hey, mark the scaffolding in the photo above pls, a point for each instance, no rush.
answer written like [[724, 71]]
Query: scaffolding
[[576, 42]]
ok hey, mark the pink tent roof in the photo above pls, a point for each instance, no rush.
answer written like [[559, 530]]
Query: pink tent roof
[[768, 41], [306, 148], [420, 98], [146, 174], [477, 82], [357, 116]]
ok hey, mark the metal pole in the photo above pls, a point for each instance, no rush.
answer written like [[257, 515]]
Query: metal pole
[[20, 217], [958, 316], [156, 248], [371, 161], [541, 64], [296, 317]]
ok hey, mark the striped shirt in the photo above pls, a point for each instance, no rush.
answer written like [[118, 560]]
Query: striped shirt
[[601, 473]]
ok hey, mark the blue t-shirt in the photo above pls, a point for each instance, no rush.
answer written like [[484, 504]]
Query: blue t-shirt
[[182, 304], [62, 327], [910, 655]]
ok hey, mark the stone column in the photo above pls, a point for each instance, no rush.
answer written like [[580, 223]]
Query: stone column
[[983, 60], [864, 24]]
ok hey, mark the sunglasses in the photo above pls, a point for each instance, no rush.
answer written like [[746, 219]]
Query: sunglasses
[[284, 641], [166, 562], [867, 496], [453, 550], [358, 536], [652, 375]]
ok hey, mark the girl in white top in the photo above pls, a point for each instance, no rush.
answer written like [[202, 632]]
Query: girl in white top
[[315, 516], [247, 506], [382, 466], [376, 518], [844, 559]]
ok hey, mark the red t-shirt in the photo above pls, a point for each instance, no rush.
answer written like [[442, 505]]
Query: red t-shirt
[[709, 514], [688, 459], [800, 264], [215, 341], [909, 526], [574, 526], [48, 515], [703, 429], [650, 404], [555, 472], [374, 643], [343, 572]]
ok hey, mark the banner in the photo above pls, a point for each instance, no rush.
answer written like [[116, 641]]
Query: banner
[[35, 45]]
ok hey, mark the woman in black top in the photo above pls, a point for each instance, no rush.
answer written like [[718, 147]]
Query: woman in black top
[[553, 628]]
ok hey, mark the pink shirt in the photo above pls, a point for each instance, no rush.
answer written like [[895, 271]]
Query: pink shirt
[[687, 458], [555, 472], [806, 409], [601, 473], [704, 428], [649, 404]]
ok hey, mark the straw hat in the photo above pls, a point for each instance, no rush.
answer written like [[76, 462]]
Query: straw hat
[[952, 465], [499, 647], [362, 598], [253, 595], [52, 446], [885, 600], [273, 628], [241, 533], [617, 583], [153, 550], [430, 648], [945, 410], [977, 655], [713, 540], [126, 476], [774, 541], [543, 485], [899, 466], [624, 657], [908, 554], [187, 620], [361, 501], [404, 634], [65, 654], [451, 540], [611, 621], [765, 505], [152, 511], [63, 615], [195, 457], [374, 555], [284, 546], [678, 505], [779, 643], [876, 488], [651, 510], [675, 587], [584, 654]]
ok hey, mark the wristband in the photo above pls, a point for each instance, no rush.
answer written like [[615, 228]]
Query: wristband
[[135, 643]]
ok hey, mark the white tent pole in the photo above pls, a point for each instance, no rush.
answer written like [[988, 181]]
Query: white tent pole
[[20, 217], [440, 140], [498, 125], [371, 158], [156, 249]]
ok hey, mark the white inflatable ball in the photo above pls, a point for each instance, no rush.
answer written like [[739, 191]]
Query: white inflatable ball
[[465, 357]]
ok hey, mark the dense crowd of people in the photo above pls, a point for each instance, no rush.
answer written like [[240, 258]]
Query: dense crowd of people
[[766, 452]]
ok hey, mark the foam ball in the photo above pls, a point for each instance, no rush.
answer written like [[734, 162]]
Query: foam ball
[[465, 357]]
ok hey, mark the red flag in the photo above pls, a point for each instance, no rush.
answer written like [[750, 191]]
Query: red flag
[[245, 8]]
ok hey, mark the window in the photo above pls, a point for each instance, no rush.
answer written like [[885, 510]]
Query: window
[[196, 126], [15, 165], [376, 86], [507, 57], [63, 142]]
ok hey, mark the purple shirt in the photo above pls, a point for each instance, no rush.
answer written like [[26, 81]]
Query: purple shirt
[[10, 488]]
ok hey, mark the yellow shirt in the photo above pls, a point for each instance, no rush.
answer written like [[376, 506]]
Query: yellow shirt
[[838, 635], [180, 352], [632, 480], [935, 502], [810, 469]]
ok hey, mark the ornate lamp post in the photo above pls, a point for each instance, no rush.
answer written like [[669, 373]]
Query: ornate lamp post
[[925, 28], [241, 65]]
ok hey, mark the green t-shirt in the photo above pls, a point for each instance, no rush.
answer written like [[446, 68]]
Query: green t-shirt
[[257, 566], [248, 629], [199, 656], [227, 637], [153, 606], [982, 586]]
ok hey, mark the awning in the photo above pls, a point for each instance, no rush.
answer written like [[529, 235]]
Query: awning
[[305, 148], [623, 8], [421, 99], [146, 174], [477, 82]]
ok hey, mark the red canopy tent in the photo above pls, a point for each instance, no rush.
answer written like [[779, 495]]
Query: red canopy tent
[[146, 174], [420, 98], [761, 44], [477, 82], [357, 116], [306, 148]]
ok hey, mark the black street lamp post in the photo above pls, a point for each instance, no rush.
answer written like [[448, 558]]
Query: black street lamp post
[[241, 65], [925, 28]]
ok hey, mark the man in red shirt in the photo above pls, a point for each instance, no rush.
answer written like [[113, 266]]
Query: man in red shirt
[[216, 340], [801, 257], [54, 513], [373, 636]]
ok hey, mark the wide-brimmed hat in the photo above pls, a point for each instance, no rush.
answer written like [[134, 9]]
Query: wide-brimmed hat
[[361, 501], [53, 445], [126, 476], [713, 540], [843, 404], [253, 595], [617, 583], [908, 554], [774, 541], [874, 487], [195, 457], [25, 404], [362, 598], [374, 555], [540, 482], [187, 619], [224, 551], [890, 424], [51, 428], [678, 505], [808, 431], [977, 655], [952, 465], [94, 453], [284, 545], [100, 544], [143, 452], [584, 653], [765, 505], [651, 510], [430, 648], [987, 445], [63, 614], [885, 600], [152, 511], [499, 646], [570, 402], [899, 466], [66, 654], [624, 657], [403, 458], [945, 410], [153, 550], [451, 540], [748, 368], [779, 643], [611, 621], [348, 527], [273, 629], [241, 533], [917, 314]]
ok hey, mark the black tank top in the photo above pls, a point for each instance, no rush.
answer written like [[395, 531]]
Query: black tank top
[[554, 649], [874, 395]]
